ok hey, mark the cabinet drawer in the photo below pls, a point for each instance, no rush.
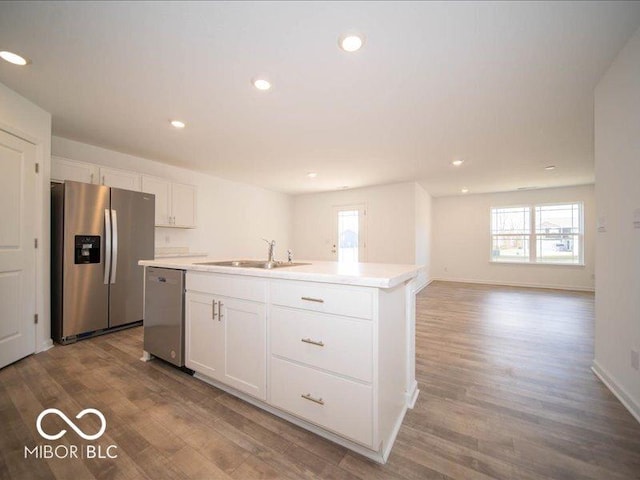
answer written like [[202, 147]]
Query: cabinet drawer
[[340, 405], [336, 299], [339, 344], [246, 288]]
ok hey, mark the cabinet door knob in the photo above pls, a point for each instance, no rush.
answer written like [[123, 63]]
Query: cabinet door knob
[[307, 396], [319, 343]]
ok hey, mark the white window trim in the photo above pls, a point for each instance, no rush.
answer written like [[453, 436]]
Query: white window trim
[[533, 236]]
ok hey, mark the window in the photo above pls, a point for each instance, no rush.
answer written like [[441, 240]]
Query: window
[[349, 233], [538, 234]]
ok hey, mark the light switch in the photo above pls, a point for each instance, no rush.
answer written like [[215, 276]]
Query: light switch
[[602, 224]]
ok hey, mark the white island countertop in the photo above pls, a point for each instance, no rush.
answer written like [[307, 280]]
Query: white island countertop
[[378, 275]]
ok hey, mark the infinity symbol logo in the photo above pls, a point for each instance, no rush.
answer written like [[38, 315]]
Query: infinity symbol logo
[[71, 424]]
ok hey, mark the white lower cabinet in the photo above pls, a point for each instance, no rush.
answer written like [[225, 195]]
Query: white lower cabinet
[[329, 357], [340, 345], [245, 342], [226, 340], [204, 335], [337, 404]]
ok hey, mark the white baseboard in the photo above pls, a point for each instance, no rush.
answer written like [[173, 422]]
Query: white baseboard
[[422, 285], [412, 395], [515, 284], [388, 445], [46, 345], [620, 393]]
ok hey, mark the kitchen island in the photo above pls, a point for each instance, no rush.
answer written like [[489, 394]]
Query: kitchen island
[[328, 346]]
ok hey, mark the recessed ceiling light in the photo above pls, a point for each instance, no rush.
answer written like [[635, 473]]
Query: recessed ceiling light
[[457, 162], [464, 190], [178, 124], [351, 42], [550, 167], [261, 84], [312, 174], [13, 58]]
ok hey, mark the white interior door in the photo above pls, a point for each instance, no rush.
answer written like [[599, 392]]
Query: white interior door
[[349, 233], [17, 249]]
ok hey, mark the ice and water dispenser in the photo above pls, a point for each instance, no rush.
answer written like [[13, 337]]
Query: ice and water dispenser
[[87, 249]]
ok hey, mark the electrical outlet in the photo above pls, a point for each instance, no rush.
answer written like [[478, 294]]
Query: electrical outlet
[[635, 360]]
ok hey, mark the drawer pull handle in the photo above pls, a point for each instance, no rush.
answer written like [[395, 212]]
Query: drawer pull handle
[[319, 343], [311, 299], [213, 310], [308, 396], [220, 310]]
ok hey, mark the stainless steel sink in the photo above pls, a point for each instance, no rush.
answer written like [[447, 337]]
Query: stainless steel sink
[[252, 264]]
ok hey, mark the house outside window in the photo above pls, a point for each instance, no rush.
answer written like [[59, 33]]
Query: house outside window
[[541, 234]]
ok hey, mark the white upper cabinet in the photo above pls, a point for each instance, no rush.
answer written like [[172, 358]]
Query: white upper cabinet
[[175, 202], [113, 177], [64, 169], [161, 188], [183, 205]]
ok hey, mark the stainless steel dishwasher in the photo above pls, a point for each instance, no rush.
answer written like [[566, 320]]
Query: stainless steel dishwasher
[[164, 314]]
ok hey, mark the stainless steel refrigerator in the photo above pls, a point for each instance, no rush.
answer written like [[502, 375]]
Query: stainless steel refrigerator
[[98, 235]]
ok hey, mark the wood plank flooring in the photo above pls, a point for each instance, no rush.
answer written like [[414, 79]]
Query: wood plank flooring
[[506, 393]]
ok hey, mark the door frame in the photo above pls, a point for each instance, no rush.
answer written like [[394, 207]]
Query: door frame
[[42, 285]]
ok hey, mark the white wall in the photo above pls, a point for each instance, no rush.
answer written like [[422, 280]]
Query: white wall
[[423, 233], [461, 244], [22, 118], [232, 217], [617, 154], [390, 221]]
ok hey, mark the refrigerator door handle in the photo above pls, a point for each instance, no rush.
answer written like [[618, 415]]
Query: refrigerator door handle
[[107, 246], [114, 242]]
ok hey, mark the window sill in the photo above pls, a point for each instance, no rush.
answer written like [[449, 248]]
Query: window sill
[[542, 264]]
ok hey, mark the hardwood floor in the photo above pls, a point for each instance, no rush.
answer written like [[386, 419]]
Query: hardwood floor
[[506, 393]]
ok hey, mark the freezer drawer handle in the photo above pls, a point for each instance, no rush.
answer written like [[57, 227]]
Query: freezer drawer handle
[[308, 396], [311, 299], [107, 246], [319, 343]]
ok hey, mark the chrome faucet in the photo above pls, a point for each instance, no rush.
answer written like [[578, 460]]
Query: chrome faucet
[[272, 245]]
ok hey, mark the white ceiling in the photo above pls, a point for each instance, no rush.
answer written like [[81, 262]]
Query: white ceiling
[[506, 86]]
